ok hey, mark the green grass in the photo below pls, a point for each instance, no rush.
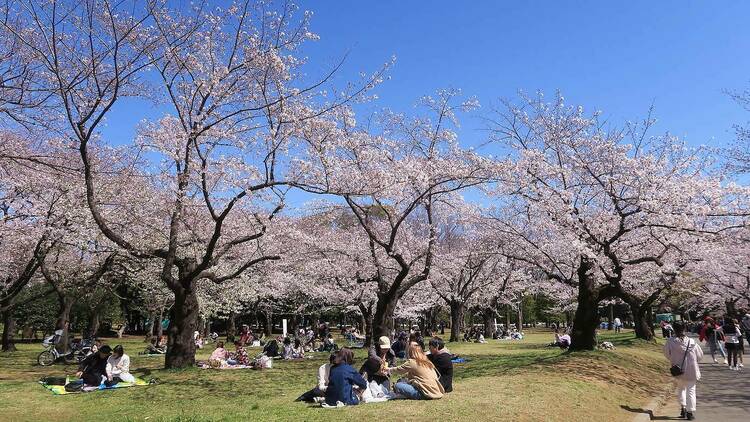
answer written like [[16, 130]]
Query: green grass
[[506, 380]]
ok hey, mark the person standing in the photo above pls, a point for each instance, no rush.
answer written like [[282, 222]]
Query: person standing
[[713, 335], [745, 327], [684, 352], [732, 339], [618, 325]]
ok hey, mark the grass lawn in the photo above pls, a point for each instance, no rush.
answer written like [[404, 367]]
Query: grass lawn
[[505, 380]]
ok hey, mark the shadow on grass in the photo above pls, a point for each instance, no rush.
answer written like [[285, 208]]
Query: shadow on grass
[[650, 413], [482, 366]]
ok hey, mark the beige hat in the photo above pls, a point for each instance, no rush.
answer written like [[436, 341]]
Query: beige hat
[[384, 342]]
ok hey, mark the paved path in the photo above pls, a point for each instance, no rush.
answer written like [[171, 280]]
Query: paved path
[[723, 395]]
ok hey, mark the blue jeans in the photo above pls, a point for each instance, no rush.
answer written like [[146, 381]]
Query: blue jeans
[[408, 391]]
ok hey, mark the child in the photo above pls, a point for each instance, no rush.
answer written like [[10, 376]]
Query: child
[[219, 356]]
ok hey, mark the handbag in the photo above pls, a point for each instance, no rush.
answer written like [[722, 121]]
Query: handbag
[[676, 370]]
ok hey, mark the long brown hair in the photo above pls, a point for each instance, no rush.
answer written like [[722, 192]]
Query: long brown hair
[[416, 353], [344, 356]]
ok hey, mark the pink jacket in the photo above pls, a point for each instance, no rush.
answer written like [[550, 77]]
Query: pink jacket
[[674, 351]]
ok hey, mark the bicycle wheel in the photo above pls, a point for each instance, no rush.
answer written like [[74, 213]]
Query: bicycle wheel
[[46, 358]]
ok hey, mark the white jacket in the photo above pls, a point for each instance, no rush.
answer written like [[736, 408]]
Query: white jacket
[[117, 366], [674, 351]]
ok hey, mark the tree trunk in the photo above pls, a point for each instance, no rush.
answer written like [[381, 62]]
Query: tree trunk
[[382, 320], [489, 325], [586, 319], [520, 315], [610, 316], [94, 322], [159, 326], [457, 319], [183, 322], [367, 322], [231, 326], [9, 331], [207, 328], [63, 322], [265, 318], [641, 321], [27, 332]]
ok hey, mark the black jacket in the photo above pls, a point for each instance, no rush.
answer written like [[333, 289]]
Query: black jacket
[[443, 364], [94, 365], [371, 367]]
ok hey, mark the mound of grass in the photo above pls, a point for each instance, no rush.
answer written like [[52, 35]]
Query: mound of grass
[[510, 380]]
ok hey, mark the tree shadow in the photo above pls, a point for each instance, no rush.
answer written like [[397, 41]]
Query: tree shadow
[[650, 413]]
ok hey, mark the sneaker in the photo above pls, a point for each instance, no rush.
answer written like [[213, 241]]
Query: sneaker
[[716, 361], [726, 361], [689, 416], [740, 365], [682, 413]]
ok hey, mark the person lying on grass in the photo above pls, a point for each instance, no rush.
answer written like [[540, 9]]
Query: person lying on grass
[[421, 378], [93, 369], [342, 380], [118, 367]]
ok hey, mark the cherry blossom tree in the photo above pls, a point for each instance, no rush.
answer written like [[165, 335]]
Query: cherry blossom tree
[[231, 84], [392, 181], [590, 201]]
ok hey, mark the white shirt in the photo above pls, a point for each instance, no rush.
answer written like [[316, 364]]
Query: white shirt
[[324, 373], [117, 366], [617, 321]]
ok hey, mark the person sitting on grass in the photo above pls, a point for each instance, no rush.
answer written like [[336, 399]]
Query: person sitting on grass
[[328, 344], [152, 348], [118, 367], [298, 351], [561, 340], [271, 349], [421, 382], [239, 357], [400, 345], [319, 391], [441, 358], [93, 369], [288, 350], [219, 356], [342, 380], [381, 357]]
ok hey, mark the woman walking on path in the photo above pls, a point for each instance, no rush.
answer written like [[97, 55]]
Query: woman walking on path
[[713, 335], [733, 337], [685, 353]]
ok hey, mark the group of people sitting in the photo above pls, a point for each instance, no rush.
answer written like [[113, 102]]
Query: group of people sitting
[[105, 367], [422, 376]]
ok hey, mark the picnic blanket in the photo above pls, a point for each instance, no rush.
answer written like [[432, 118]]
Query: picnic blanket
[[460, 360], [60, 389]]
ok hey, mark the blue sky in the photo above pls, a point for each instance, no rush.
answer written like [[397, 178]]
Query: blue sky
[[615, 57], [618, 57]]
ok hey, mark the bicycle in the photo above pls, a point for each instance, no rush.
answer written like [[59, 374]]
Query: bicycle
[[79, 349]]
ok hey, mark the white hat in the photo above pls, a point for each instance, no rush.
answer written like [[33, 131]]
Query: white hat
[[384, 342]]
